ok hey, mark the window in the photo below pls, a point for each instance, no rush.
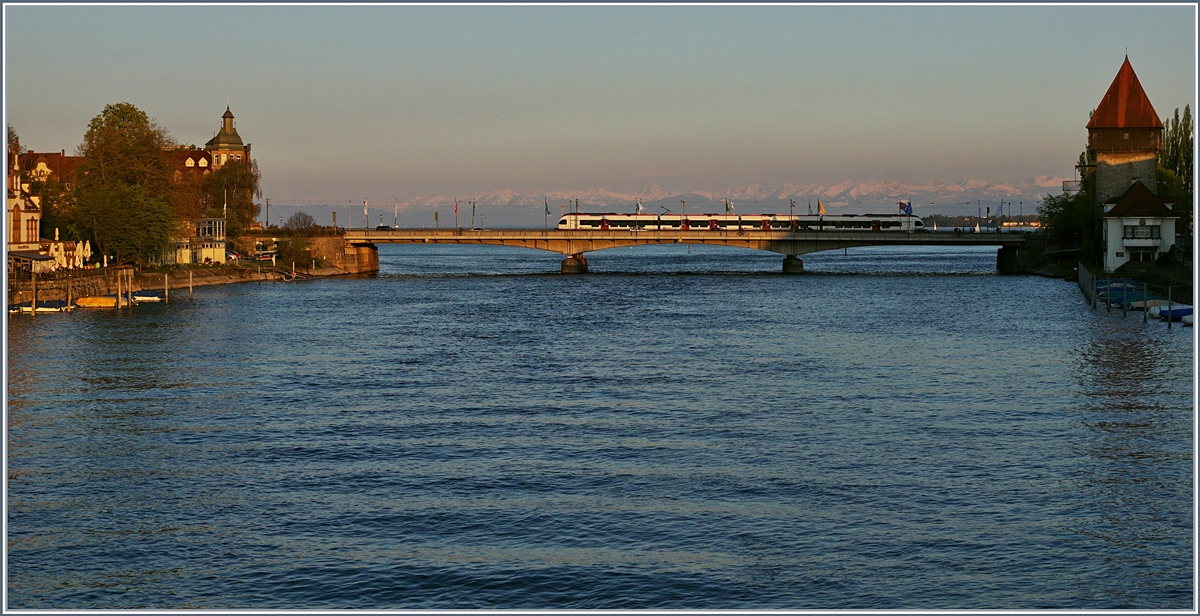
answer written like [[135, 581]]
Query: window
[[203, 163], [1142, 232], [189, 163]]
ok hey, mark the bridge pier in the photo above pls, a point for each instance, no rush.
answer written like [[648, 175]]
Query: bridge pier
[[792, 265], [574, 264], [1009, 260]]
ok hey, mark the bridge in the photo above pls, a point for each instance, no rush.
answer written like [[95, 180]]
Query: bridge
[[573, 243]]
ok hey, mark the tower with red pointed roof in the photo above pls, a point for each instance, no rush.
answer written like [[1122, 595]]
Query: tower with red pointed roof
[[1125, 136]]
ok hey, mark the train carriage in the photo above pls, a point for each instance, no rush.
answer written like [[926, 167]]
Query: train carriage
[[742, 222]]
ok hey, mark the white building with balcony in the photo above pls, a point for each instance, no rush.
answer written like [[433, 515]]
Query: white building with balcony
[[1139, 226]]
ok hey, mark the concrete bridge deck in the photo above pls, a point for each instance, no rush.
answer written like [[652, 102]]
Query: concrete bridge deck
[[574, 242]]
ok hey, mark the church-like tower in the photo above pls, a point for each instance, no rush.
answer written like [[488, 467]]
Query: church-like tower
[[227, 144], [1125, 136]]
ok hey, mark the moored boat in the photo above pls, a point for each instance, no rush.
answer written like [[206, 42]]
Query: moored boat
[[147, 296], [1175, 313], [45, 305], [103, 301]]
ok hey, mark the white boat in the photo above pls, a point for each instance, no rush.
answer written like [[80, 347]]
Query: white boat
[[1177, 311], [1187, 319], [147, 296]]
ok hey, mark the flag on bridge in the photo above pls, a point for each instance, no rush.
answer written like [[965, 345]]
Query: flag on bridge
[[905, 206], [547, 204], [820, 208], [639, 206], [456, 207]]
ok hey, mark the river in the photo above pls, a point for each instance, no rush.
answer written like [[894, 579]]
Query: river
[[898, 428]]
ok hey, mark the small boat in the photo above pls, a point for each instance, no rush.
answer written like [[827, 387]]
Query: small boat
[[46, 305], [1147, 304], [1134, 300], [1177, 312], [1187, 319], [104, 301], [147, 296]]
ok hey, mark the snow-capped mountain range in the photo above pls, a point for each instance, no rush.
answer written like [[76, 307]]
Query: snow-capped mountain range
[[842, 194], [509, 207]]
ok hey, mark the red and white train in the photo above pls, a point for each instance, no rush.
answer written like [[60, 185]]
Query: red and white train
[[742, 222]]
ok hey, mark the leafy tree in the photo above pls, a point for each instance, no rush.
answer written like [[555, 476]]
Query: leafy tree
[[58, 207], [1176, 155], [121, 186], [14, 144], [237, 181], [127, 222], [1067, 216], [123, 147], [1175, 163], [188, 195]]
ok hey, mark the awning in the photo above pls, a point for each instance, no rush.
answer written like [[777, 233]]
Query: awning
[[29, 255]]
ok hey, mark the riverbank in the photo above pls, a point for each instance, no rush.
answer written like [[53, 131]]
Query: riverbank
[[69, 285], [227, 274]]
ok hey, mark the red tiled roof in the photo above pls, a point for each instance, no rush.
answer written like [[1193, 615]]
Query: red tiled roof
[[1139, 202], [1125, 105], [180, 156], [59, 163]]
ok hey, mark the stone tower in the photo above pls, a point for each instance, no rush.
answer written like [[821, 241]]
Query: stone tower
[[1125, 136]]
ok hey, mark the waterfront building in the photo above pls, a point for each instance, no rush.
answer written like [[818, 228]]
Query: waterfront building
[[1124, 138], [1139, 226], [202, 243], [26, 248], [227, 145]]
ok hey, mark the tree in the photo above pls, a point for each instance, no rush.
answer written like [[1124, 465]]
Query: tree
[[121, 186], [127, 222], [300, 224], [237, 181], [1067, 216], [14, 145], [123, 147], [1175, 163], [1176, 155], [295, 247]]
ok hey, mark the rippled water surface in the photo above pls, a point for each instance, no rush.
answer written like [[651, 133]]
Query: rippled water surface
[[899, 428]]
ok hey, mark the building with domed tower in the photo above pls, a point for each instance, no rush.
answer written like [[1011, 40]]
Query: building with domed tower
[[227, 145]]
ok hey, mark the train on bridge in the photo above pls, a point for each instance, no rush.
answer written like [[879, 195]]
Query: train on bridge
[[741, 222]]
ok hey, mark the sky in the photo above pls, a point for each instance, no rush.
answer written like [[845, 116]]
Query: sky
[[396, 102]]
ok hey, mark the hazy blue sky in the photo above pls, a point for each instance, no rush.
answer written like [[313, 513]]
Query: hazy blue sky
[[386, 101]]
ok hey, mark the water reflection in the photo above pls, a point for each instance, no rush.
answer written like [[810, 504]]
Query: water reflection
[[1135, 408]]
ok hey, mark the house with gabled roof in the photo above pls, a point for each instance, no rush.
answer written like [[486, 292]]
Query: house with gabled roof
[[1139, 226]]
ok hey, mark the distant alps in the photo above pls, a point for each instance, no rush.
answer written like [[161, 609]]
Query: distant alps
[[527, 208], [850, 195]]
